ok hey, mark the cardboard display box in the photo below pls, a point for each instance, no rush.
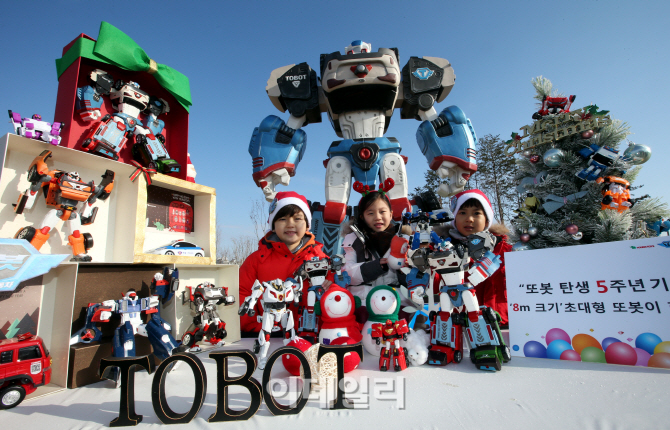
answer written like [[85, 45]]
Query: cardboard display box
[[120, 231], [49, 299], [78, 61], [99, 282]]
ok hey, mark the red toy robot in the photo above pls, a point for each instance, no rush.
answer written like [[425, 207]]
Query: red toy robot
[[554, 105], [391, 333]]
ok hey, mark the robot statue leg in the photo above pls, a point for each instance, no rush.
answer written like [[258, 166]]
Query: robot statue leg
[[393, 166], [288, 326], [444, 335], [338, 188], [123, 345], [38, 236], [262, 344], [487, 347], [400, 360], [385, 357], [161, 340]]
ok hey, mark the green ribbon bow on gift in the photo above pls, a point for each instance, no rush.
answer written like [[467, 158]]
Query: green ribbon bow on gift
[[116, 48]]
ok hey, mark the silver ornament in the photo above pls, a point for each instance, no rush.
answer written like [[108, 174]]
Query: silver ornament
[[637, 153], [578, 235], [527, 153], [532, 231], [552, 157], [520, 246]]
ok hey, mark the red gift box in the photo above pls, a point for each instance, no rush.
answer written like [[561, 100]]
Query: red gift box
[[81, 53]]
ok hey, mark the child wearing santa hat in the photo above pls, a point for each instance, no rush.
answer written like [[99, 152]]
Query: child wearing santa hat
[[285, 246], [473, 214]]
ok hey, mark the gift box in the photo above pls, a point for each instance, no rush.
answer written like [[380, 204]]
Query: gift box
[[118, 55]]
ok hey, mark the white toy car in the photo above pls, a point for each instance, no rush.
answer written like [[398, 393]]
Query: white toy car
[[179, 247]]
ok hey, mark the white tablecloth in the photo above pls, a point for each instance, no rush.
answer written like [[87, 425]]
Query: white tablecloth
[[528, 393]]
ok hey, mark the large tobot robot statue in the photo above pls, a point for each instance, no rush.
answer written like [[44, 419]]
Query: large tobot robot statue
[[359, 90]]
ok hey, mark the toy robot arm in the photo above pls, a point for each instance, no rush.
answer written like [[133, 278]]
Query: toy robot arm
[[448, 143], [248, 306], [425, 81], [90, 332], [294, 88], [89, 97], [479, 244], [376, 332], [276, 151], [483, 268], [38, 176], [155, 108], [296, 286], [102, 192]]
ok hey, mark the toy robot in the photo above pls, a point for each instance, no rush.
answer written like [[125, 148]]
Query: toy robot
[[553, 106], [109, 134], [206, 322], [390, 333], [275, 296], [129, 308], [35, 128], [64, 192], [359, 90], [616, 193], [600, 158], [315, 271]]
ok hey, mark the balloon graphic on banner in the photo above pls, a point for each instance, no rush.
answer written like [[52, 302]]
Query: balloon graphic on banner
[[662, 359], [593, 354], [581, 341], [662, 347], [642, 357], [620, 353], [571, 355], [647, 341], [608, 341], [555, 334], [556, 348], [534, 349]]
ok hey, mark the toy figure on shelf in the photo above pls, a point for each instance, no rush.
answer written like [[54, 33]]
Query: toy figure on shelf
[[553, 106], [384, 301], [616, 193], [129, 308], [64, 191], [315, 271], [35, 128], [206, 322], [360, 90], [109, 134], [276, 296]]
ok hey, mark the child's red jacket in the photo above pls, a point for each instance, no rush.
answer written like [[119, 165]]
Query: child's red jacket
[[273, 260]]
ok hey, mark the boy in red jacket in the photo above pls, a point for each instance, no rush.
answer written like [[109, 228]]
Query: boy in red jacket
[[283, 249]]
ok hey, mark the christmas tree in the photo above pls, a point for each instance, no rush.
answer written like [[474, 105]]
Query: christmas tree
[[575, 180]]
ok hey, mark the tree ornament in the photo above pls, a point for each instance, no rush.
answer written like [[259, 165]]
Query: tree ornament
[[532, 231], [587, 134], [534, 158], [578, 235], [572, 229], [527, 153], [520, 246], [637, 153], [552, 157], [524, 237]]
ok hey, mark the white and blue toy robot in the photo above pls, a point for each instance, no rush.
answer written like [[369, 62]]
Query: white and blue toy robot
[[360, 90]]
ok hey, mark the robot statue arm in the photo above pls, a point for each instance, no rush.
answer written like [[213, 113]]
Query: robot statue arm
[[89, 97], [448, 143], [483, 268], [247, 307]]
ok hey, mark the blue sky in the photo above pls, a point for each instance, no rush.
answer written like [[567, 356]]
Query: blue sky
[[605, 52]]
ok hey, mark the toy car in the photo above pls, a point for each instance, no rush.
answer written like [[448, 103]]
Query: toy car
[[25, 364], [179, 247]]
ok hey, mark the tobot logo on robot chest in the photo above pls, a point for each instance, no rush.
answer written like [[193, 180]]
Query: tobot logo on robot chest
[[295, 79]]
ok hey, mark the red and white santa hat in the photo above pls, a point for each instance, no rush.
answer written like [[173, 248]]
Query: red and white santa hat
[[285, 198], [457, 201]]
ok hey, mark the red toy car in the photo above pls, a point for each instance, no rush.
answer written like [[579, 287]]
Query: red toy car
[[25, 364]]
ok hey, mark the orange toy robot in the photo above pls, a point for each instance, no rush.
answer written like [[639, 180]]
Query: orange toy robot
[[616, 193], [391, 333], [63, 192]]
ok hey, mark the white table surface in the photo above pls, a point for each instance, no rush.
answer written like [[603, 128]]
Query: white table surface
[[528, 393]]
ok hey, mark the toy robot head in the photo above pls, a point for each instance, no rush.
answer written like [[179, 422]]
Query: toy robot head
[[131, 294], [358, 47], [157, 106], [445, 262], [37, 117], [74, 176]]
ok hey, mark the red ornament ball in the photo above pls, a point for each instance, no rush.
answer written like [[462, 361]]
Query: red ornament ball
[[572, 229], [525, 237], [291, 362], [587, 134], [534, 158]]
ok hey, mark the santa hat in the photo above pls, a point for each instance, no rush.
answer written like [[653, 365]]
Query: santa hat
[[462, 197], [285, 198]]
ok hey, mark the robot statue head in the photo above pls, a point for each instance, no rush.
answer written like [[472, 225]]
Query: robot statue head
[[358, 47]]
